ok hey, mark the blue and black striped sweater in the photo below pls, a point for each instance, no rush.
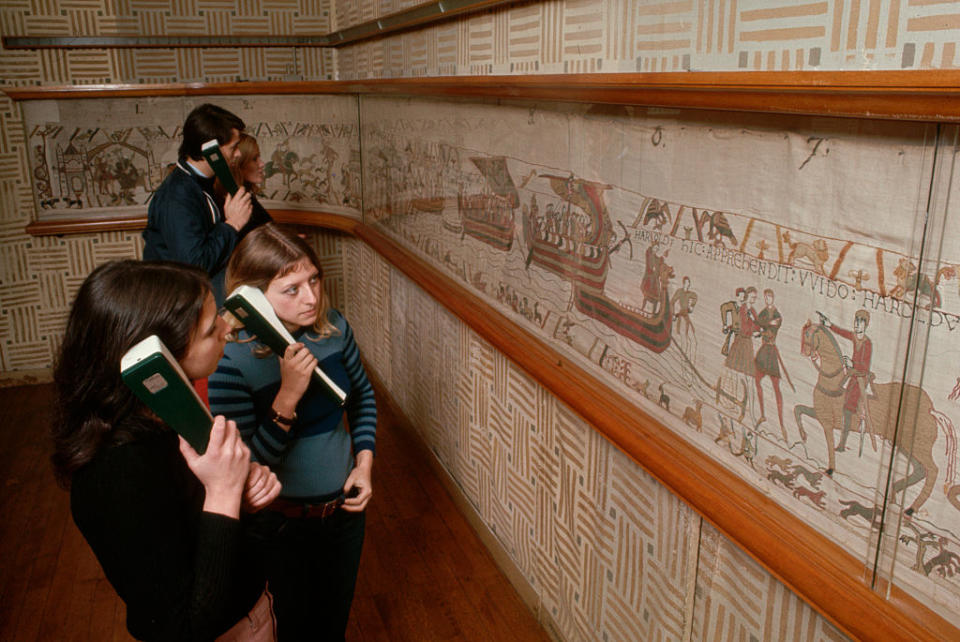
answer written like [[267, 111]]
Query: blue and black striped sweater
[[314, 458]]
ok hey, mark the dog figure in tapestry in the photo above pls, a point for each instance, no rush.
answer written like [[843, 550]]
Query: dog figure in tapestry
[[878, 414], [816, 252], [693, 417]]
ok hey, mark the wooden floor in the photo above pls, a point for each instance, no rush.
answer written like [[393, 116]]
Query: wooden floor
[[424, 574]]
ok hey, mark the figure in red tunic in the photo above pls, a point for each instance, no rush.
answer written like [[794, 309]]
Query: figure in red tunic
[[740, 356], [857, 385]]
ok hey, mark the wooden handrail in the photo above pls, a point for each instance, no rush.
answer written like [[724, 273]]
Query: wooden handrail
[[86, 226], [325, 220], [929, 95]]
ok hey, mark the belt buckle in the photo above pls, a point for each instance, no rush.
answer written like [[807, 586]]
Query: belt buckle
[[331, 507]]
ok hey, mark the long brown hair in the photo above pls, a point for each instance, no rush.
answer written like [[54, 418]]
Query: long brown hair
[[118, 305], [248, 148], [269, 252]]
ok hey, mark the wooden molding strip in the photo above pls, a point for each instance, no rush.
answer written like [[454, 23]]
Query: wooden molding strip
[[86, 226], [929, 95], [160, 42], [325, 220], [825, 575]]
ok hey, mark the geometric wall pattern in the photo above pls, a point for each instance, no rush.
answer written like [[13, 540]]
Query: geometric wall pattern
[[737, 599], [591, 36], [40, 282], [610, 553], [164, 18]]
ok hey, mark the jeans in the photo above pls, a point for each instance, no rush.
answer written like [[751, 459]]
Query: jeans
[[311, 567]]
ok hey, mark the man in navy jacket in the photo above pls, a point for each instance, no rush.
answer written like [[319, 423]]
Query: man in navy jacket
[[185, 221]]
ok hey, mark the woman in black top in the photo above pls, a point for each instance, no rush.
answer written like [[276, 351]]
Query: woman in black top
[[164, 522]]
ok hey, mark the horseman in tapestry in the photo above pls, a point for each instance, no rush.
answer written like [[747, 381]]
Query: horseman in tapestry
[[857, 384]]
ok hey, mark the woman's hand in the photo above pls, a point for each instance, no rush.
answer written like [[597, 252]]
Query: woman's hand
[[358, 484], [237, 209], [222, 469], [261, 489], [296, 368]]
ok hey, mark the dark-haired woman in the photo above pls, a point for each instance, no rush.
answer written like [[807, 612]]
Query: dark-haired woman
[[163, 521], [290, 423]]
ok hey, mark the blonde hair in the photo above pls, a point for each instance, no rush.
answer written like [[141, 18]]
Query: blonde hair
[[272, 251], [248, 149]]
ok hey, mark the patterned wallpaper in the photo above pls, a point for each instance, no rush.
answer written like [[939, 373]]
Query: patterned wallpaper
[[589, 36]]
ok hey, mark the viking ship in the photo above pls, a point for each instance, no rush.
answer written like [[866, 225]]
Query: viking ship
[[488, 215], [427, 193], [583, 260], [650, 331]]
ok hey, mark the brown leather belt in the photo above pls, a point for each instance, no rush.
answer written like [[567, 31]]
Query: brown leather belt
[[300, 510]]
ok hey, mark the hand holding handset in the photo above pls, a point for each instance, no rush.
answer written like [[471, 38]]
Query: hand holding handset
[[251, 308], [157, 380], [211, 151]]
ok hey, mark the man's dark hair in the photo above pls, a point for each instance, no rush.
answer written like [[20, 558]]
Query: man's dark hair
[[205, 123]]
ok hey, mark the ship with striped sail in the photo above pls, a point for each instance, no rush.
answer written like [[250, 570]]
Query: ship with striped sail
[[575, 241], [488, 215]]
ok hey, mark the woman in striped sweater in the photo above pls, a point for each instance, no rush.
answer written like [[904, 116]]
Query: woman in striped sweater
[[314, 530]]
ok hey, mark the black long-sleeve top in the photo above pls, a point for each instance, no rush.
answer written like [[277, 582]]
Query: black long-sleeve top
[[184, 574], [258, 216]]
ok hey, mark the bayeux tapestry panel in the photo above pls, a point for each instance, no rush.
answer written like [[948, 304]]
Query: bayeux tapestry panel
[[105, 158], [779, 291]]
